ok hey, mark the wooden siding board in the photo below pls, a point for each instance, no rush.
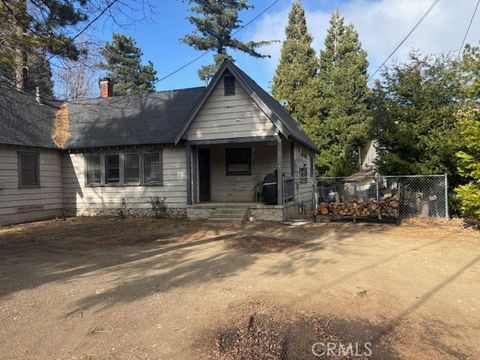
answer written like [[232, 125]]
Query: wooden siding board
[[79, 196], [229, 117], [44, 201]]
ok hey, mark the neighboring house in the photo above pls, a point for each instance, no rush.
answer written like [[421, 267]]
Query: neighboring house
[[205, 151], [364, 179]]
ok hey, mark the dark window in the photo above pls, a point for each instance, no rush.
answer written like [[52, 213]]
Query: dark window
[[132, 168], [94, 175], [28, 166], [112, 169], [152, 167], [238, 161], [304, 171], [229, 85]]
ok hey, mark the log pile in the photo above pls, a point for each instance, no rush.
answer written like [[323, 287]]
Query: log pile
[[386, 206]]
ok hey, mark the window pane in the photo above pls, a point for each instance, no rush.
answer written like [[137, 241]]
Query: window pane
[[112, 169], [93, 169], [153, 167], [132, 168], [28, 169], [238, 161]]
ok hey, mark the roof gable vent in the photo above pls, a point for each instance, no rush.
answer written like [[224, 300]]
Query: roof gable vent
[[229, 85]]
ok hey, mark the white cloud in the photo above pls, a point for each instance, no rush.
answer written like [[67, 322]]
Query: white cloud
[[381, 25]]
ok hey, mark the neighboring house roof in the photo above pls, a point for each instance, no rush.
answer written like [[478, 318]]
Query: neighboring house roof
[[360, 175], [152, 118], [23, 121], [287, 126]]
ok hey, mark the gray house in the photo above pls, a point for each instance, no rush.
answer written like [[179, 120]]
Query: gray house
[[205, 151]]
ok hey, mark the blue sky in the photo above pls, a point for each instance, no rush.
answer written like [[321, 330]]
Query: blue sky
[[381, 25]]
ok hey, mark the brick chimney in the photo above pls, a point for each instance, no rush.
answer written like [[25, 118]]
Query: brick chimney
[[106, 87]]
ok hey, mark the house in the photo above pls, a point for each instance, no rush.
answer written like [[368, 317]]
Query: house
[[203, 152]]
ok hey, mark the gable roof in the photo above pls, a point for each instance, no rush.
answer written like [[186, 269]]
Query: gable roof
[[23, 121], [286, 125], [152, 118]]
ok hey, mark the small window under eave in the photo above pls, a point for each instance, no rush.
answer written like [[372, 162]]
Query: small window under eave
[[229, 85]]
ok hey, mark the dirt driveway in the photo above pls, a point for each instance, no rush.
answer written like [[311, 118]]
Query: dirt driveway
[[107, 288]]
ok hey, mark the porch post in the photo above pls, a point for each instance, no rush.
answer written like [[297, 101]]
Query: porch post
[[189, 175], [279, 172], [195, 174]]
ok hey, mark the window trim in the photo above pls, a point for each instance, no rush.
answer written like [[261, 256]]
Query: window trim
[[121, 155], [86, 169], [125, 182], [119, 182], [238, 173], [160, 156], [37, 169]]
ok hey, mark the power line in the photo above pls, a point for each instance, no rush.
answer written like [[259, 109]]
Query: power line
[[206, 52], [468, 29], [90, 23], [405, 38]]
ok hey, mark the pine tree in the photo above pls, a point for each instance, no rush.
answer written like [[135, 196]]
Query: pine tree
[[31, 31], [298, 63], [124, 67], [414, 108], [337, 117], [214, 30]]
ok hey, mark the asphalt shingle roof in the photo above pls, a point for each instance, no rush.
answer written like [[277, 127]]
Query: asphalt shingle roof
[[23, 121], [152, 118]]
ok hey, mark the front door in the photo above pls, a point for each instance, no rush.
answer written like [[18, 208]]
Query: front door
[[204, 174]]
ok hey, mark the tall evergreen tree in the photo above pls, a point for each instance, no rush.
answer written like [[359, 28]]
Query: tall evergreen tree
[[298, 62], [124, 67], [214, 30], [414, 110], [29, 32], [337, 116]]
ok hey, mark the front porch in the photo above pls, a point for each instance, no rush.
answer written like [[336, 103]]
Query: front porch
[[241, 211], [225, 179]]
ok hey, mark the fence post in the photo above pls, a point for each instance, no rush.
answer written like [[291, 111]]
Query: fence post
[[376, 182], [446, 197]]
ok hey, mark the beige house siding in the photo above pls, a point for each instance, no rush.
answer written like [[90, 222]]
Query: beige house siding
[[225, 117], [240, 188], [80, 199], [29, 204]]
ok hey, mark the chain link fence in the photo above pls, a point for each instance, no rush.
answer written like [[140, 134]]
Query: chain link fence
[[409, 196]]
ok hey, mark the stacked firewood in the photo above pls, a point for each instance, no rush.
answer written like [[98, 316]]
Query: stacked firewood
[[386, 206]]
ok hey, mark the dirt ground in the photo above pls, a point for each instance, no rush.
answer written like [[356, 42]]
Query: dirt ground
[[107, 288]]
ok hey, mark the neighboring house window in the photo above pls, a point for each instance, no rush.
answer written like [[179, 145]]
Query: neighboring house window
[[132, 168], [304, 171], [112, 169], [238, 161], [94, 174], [28, 170], [152, 168], [229, 85]]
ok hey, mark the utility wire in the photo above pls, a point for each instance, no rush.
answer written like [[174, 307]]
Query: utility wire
[[56, 53], [405, 38], [206, 52], [468, 30]]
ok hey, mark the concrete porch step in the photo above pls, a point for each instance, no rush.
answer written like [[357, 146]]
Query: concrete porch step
[[224, 213]]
